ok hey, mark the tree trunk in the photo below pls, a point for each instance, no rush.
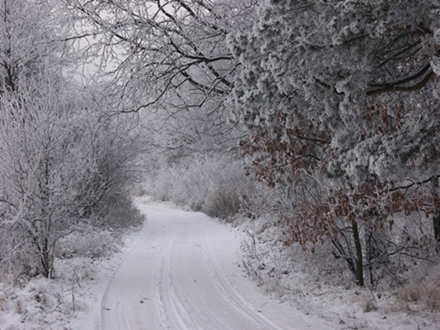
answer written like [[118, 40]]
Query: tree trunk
[[369, 253], [45, 259], [436, 215], [359, 259], [436, 224]]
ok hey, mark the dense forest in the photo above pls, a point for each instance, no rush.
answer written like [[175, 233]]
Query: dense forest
[[317, 121]]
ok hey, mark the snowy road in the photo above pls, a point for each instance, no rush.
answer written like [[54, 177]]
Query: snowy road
[[183, 273]]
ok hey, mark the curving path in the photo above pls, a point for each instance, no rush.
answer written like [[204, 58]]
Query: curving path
[[183, 273]]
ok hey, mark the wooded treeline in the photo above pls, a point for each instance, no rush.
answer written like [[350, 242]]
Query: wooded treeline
[[320, 116]]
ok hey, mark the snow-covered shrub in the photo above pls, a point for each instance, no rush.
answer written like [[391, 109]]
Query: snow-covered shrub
[[215, 185], [87, 242], [421, 295], [116, 211], [392, 256], [222, 203], [102, 235]]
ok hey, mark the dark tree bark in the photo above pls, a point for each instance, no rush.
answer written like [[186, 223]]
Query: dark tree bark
[[359, 259]]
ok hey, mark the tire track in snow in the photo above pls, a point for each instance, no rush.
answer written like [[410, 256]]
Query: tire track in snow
[[229, 291], [172, 308], [158, 296]]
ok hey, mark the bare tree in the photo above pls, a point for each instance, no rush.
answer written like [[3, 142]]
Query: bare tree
[[171, 63]]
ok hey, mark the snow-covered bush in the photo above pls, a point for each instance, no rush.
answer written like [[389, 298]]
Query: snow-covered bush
[[215, 185], [421, 295], [223, 202], [115, 211], [392, 256], [87, 242]]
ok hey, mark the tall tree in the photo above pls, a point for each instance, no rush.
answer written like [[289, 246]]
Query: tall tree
[[347, 89]]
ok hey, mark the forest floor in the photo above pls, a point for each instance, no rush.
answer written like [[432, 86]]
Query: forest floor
[[184, 270]]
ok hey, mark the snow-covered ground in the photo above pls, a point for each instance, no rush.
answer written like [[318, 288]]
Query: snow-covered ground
[[184, 270]]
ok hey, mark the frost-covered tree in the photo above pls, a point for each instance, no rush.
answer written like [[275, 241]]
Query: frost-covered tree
[[41, 167], [59, 164], [27, 40], [347, 91], [171, 64], [64, 163]]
